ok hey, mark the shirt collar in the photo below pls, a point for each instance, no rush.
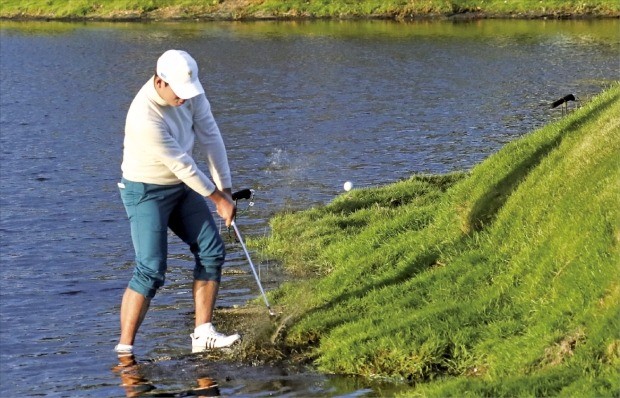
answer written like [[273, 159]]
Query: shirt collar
[[152, 94]]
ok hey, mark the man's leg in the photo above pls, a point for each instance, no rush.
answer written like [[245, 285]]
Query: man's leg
[[205, 294], [133, 310], [192, 222], [205, 336], [148, 208]]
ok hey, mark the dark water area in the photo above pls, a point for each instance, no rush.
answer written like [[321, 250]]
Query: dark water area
[[303, 107]]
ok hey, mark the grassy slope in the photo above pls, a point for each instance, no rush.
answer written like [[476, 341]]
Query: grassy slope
[[237, 9], [502, 282]]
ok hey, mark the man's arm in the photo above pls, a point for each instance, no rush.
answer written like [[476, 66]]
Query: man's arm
[[209, 136], [211, 142]]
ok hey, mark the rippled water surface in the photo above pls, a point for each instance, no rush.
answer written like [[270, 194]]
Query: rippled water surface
[[303, 107]]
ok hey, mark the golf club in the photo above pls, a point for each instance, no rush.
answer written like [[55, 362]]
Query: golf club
[[234, 225]]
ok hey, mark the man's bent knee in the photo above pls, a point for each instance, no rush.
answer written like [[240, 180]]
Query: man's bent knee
[[146, 282], [209, 262], [212, 272]]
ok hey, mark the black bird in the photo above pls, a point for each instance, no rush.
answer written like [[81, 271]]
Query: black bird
[[565, 99]]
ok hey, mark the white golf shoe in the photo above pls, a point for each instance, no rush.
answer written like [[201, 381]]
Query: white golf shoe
[[206, 337]]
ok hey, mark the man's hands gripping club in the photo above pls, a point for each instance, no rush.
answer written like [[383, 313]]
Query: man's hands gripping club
[[224, 204]]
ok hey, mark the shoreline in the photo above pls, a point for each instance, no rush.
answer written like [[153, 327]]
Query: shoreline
[[163, 16], [303, 10]]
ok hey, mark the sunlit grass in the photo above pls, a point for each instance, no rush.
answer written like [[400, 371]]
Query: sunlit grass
[[234, 9], [403, 9], [501, 282]]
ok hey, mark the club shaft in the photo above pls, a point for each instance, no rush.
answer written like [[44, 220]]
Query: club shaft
[[245, 250]]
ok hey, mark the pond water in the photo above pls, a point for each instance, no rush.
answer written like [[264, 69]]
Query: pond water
[[303, 107]]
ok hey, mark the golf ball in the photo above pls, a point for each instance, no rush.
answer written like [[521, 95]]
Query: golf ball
[[348, 186]]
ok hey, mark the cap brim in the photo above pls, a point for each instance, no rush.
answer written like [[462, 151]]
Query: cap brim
[[189, 90]]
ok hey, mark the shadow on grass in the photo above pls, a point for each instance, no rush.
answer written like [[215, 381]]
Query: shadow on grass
[[485, 209]]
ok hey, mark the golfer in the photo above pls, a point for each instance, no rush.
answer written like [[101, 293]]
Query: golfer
[[162, 187]]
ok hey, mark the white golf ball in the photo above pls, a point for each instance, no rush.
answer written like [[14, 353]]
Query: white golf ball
[[348, 186]]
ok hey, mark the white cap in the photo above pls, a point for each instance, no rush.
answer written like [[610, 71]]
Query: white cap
[[180, 71]]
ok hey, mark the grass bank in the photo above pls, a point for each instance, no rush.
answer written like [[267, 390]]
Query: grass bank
[[276, 9], [504, 281]]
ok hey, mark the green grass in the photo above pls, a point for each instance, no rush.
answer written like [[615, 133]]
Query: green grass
[[236, 9], [99, 9], [501, 282], [405, 8]]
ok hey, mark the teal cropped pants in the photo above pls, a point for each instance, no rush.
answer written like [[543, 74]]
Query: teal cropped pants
[[152, 209]]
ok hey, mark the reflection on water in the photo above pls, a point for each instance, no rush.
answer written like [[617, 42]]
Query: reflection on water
[[135, 384], [132, 380], [302, 106]]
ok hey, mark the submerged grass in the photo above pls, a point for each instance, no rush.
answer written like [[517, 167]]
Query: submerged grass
[[501, 282]]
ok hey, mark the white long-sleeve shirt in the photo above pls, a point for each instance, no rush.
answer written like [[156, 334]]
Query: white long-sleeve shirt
[[159, 141]]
